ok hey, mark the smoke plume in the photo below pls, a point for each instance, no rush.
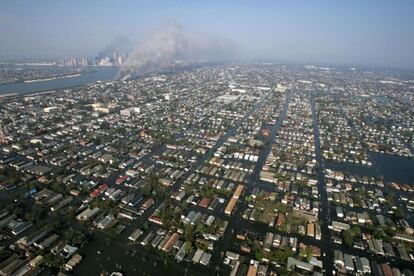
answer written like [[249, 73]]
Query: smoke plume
[[171, 43], [121, 44]]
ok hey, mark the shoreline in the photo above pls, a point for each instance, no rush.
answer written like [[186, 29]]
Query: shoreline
[[54, 78], [45, 92], [7, 95], [40, 88]]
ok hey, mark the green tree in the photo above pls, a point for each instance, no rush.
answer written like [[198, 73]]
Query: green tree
[[189, 233], [356, 231], [348, 238]]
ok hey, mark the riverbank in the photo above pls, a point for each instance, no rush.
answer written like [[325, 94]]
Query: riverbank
[[25, 88], [54, 78], [7, 95]]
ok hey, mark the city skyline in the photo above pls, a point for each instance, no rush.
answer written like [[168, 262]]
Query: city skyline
[[377, 33], [239, 138]]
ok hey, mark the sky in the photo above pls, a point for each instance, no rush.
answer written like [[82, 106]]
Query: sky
[[360, 32]]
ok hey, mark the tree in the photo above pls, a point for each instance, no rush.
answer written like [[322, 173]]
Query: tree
[[348, 238], [189, 233], [54, 261], [58, 187], [258, 254], [188, 245], [200, 228], [378, 233], [356, 231], [398, 214], [280, 256]]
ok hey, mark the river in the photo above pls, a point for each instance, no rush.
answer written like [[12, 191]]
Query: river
[[19, 88]]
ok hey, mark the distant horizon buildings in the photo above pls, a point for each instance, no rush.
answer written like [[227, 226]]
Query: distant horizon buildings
[[116, 59]]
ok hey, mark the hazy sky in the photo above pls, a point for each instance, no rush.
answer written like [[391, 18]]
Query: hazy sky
[[370, 32]]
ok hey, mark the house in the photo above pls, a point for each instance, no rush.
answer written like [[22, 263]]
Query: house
[[74, 261], [310, 229], [87, 214], [404, 237], [349, 263], [365, 265], [170, 242], [205, 258], [107, 222], [232, 256], [339, 212], [181, 253], [268, 241], [178, 195], [340, 226], [293, 263], [68, 250], [18, 226], [135, 235], [339, 258], [252, 270], [197, 256]]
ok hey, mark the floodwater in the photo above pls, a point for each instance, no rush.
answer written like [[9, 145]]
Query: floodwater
[[116, 255], [105, 254], [390, 167]]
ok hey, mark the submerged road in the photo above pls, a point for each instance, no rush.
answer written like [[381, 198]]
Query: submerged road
[[235, 221], [98, 251], [325, 212]]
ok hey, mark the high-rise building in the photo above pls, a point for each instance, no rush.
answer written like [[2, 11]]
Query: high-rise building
[[120, 60], [73, 62], [105, 62], [84, 62]]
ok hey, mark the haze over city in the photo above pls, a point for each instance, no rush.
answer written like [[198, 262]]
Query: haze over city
[[206, 138], [337, 32]]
